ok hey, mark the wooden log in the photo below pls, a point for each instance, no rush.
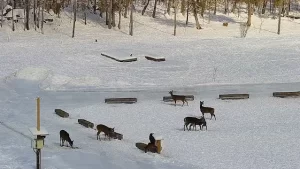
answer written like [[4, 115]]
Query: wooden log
[[121, 100], [233, 96], [86, 123], [156, 59], [286, 94], [169, 98], [132, 59], [118, 136], [61, 113]]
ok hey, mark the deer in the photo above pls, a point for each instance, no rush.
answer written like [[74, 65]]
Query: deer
[[178, 97], [209, 110], [193, 121], [106, 130], [64, 136], [201, 124]]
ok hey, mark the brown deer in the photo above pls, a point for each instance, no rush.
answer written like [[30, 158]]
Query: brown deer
[[178, 97], [201, 123], [193, 121], [64, 136], [209, 110], [106, 130]]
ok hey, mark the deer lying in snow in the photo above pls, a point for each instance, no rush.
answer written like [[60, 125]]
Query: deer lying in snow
[[209, 110], [106, 130], [64, 136], [178, 97]]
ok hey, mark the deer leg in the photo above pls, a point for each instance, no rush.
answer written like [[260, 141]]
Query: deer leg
[[60, 141]]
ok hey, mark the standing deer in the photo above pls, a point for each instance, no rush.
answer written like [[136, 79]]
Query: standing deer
[[64, 136], [209, 110], [193, 121], [106, 130], [178, 97]]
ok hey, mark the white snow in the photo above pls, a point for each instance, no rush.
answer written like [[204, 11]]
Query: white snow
[[70, 74]]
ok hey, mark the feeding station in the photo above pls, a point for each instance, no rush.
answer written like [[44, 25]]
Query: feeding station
[[158, 143], [39, 133]]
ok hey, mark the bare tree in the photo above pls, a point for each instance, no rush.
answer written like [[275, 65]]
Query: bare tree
[[109, 14], [13, 17], [131, 20], [187, 12], [74, 19], [196, 15], [2, 9], [215, 8], [281, 5], [42, 21], [120, 13], [169, 7], [145, 7], [27, 2], [113, 16], [249, 13], [154, 10], [175, 17]]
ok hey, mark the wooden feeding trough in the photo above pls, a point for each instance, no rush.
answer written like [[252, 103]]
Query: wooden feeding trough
[[61, 113], [118, 136], [156, 59], [120, 59], [86, 123], [286, 94], [120, 100], [169, 98], [233, 96]]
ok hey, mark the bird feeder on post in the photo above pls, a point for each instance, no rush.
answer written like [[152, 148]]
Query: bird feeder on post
[[40, 133], [158, 143]]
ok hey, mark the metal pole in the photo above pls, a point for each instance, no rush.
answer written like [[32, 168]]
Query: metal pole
[[38, 113], [38, 157]]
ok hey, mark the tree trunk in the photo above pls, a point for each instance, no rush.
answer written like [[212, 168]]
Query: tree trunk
[[154, 10], [38, 16], [187, 12], [42, 21], [2, 8], [131, 20], [196, 15], [249, 13], [145, 7], [234, 6], [120, 13], [106, 13], [226, 6], [279, 15], [94, 6], [203, 3], [126, 8], [74, 19], [27, 2], [263, 11], [175, 11], [34, 14], [215, 8], [169, 7], [13, 17], [109, 14], [113, 16]]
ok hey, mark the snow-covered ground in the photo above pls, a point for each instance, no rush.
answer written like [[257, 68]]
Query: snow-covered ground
[[70, 74]]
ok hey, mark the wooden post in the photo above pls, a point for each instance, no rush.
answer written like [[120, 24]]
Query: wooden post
[[38, 114], [158, 144]]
